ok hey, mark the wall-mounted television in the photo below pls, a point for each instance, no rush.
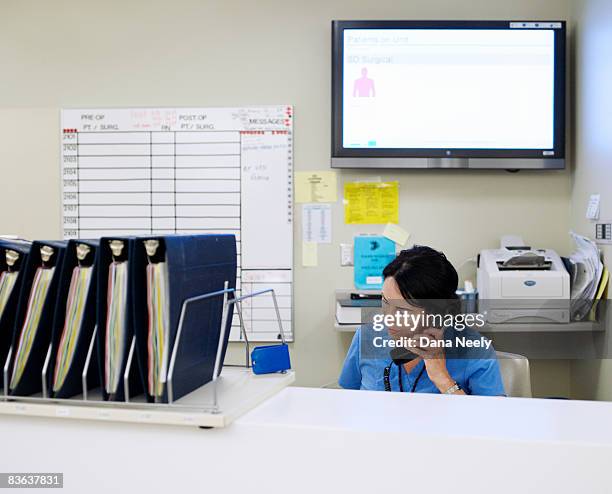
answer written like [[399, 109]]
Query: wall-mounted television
[[448, 94]]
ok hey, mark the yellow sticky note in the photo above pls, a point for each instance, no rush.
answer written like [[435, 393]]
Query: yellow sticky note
[[310, 257], [371, 203], [396, 233], [316, 187]]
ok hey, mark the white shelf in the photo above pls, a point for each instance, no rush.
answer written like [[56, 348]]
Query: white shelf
[[345, 328], [571, 327], [239, 391]]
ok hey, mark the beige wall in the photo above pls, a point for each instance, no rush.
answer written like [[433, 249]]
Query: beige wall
[[593, 154], [56, 54]]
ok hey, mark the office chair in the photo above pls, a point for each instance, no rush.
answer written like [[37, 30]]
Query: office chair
[[515, 374]]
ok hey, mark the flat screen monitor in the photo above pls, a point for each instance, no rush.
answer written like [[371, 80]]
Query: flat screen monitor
[[435, 94]]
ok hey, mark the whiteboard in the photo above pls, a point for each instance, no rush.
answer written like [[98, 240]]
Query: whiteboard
[[190, 170]]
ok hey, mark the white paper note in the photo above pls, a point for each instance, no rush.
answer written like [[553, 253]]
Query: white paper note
[[397, 234], [316, 223], [310, 256]]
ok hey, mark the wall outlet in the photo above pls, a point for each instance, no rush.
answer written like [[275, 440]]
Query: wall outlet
[[592, 212], [603, 232]]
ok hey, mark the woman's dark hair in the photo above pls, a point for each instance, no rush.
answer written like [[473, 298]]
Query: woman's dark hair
[[422, 274]]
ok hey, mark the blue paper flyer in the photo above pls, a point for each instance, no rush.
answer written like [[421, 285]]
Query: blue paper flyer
[[372, 253]]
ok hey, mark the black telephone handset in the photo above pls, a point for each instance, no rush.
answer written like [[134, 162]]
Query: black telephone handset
[[401, 355]]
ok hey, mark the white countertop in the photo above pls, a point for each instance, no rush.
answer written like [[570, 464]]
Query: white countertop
[[428, 415], [318, 440]]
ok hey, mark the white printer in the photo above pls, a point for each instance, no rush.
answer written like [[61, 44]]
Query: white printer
[[518, 284]]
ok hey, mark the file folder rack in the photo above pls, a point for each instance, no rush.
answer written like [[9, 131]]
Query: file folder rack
[[216, 404]]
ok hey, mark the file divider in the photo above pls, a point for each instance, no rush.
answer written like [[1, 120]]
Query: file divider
[[177, 340], [244, 335], [128, 368], [84, 374], [5, 371], [45, 393], [229, 299], [238, 303], [220, 345]]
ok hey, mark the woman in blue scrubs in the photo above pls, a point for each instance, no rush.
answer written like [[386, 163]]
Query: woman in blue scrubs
[[441, 359]]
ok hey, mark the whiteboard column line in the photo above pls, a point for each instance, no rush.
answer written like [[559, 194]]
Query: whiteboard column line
[[78, 228], [174, 171], [151, 177]]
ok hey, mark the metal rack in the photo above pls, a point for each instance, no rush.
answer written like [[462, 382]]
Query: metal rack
[[200, 407]]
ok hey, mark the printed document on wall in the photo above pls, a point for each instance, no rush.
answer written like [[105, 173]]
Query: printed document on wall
[[316, 223], [369, 203]]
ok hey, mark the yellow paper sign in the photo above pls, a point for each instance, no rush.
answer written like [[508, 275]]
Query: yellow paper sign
[[310, 257], [397, 234], [370, 203], [315, 187]]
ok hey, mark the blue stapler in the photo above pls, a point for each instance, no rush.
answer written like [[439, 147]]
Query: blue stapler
[[270, 359]]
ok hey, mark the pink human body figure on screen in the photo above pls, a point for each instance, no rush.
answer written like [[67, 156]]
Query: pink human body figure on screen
[[364, 87]]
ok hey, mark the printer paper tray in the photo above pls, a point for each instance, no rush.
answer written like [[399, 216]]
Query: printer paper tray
[[528, 316]]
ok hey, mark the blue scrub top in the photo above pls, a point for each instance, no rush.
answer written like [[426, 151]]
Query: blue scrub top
[[476, 376]]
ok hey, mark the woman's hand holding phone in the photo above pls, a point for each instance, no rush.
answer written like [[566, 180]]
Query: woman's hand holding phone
[[434, 357]]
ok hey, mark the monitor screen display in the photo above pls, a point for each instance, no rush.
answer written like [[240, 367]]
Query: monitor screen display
[[457, 89]]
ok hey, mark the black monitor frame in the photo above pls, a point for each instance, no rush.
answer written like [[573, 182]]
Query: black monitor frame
[[490, 158]]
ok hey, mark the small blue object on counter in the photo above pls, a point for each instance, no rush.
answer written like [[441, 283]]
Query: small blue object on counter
[[270, 359]]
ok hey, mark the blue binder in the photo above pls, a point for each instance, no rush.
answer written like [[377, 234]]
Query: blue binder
[[104, 260], [72, 383], [31, 381], [7, 317], [196, 264]]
